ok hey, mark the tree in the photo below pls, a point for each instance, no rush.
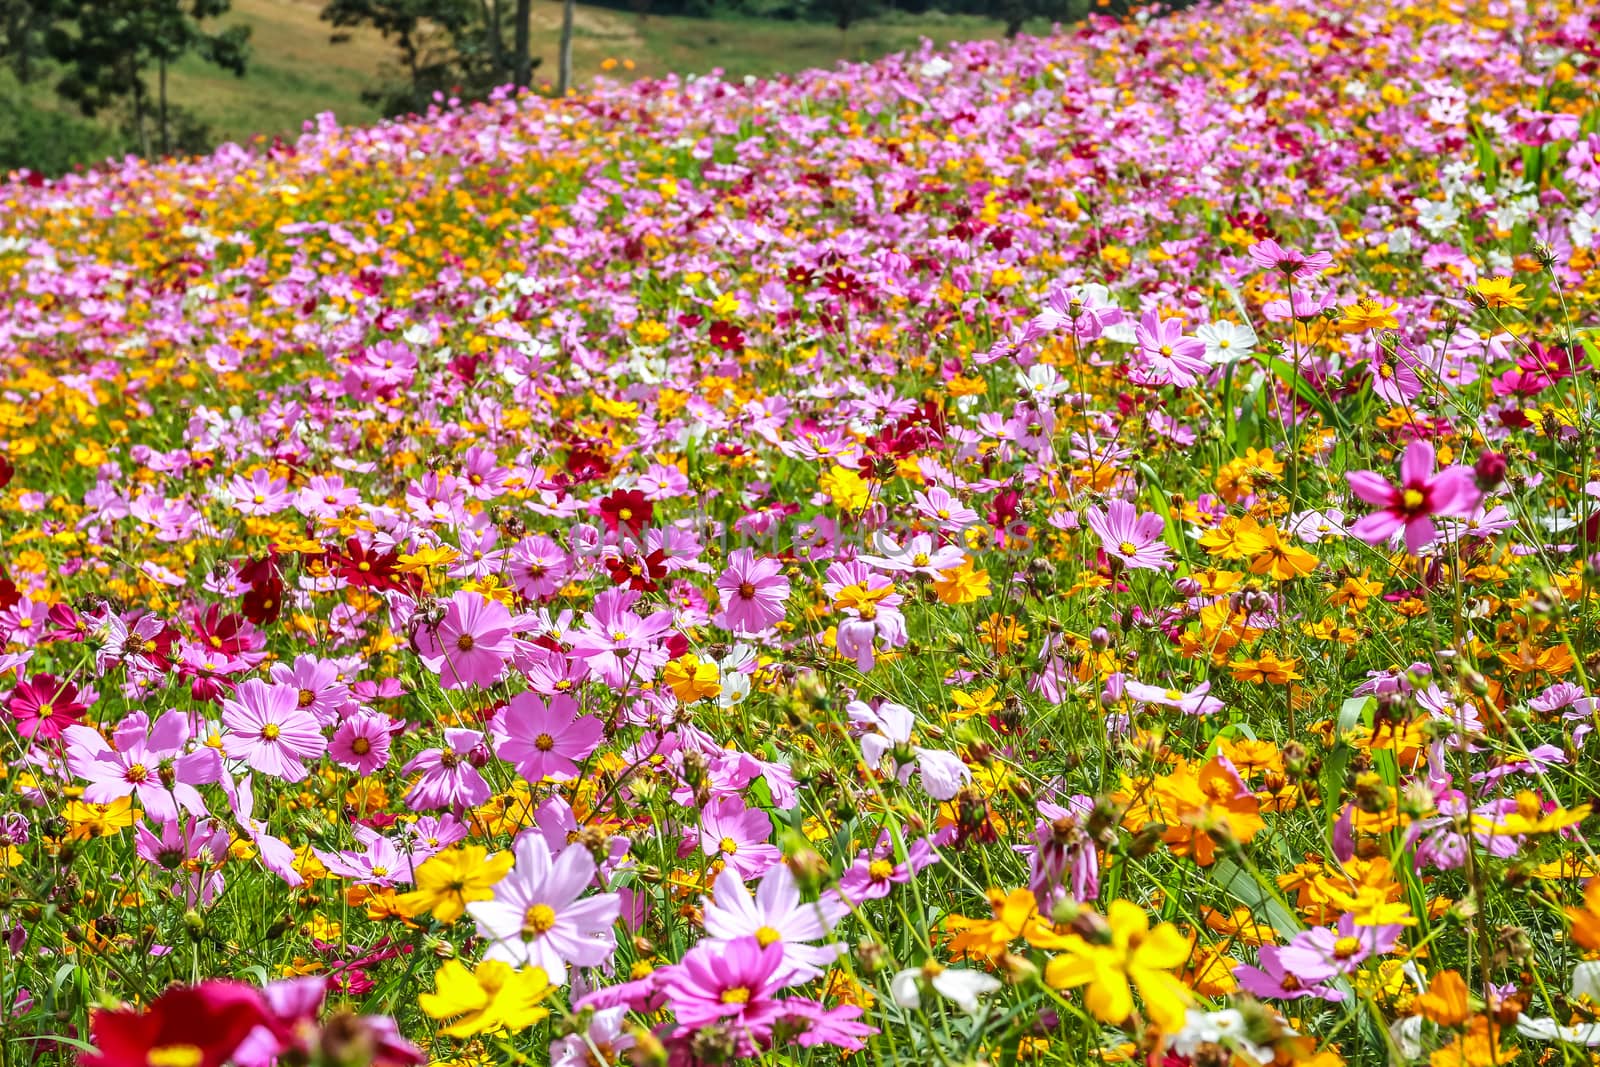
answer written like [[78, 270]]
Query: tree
[[106, 48], [565, 79], [453, 46], [524, 66]]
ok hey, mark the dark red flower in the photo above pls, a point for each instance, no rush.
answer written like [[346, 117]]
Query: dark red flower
[[626, 507], [7, 472], [638, 572], [727, 336], [363, 567], [188, 1026]]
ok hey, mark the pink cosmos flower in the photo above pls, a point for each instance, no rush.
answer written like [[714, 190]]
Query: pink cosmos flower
[[775, 915], [378, 862], [1130, 537], [538, 567], [200, 845], [1168, 357], [875, 872], [1196, 701], [361, 742], [1318, 954], [1270, 255], [738, 836], [753, 593], [270, 731], [448, 777], [152, 767], [317, 685], [259, 494], [539, 915], [1412, 506], [471, 644], [545, 740]]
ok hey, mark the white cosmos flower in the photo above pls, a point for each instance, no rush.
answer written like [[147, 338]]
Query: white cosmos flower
[[1226, 342], [957, 984]]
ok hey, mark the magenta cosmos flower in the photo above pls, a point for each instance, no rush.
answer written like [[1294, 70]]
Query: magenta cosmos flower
[[753, 592], [472, 643], [1412, 505], [270, 731], [1128, 536], [732, 982], [539, 915], [546, 740], [43, 706], [361, 742]]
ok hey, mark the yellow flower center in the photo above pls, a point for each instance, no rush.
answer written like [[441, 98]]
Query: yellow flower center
[[728, 845], [766, 935], [737, 995], [270, 732], [46, 710], [307, 698], [1346, 947], [1173, 694], [538, 920], [880, 870], [465, 642], [544, 742], [1128, 548], [1412, 499], [174, 1056]]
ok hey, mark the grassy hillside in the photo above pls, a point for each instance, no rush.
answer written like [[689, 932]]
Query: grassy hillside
[[296, 72]]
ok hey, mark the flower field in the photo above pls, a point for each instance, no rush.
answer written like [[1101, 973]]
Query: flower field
[[1078, 550]]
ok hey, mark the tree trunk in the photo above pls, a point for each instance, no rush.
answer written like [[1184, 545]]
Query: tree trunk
[[523, 74], [166, 137], [138, 115], [491, 21], [566, 47]]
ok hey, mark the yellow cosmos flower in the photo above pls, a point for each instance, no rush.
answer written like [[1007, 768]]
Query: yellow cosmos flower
[[1500, 293], [690, 679], [452, 879], [961, 585], [848, 489], [1130, 956], [492, 999]]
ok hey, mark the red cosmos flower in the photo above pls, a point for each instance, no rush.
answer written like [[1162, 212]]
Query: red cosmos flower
[[638, 573], [7, 472], [364, 568], [10, 595], [841, 282], [264, 602], [727, 336], [188, 1026], [626, 507]]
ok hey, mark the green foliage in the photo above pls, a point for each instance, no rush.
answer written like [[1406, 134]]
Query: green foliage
[[49, 142]]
